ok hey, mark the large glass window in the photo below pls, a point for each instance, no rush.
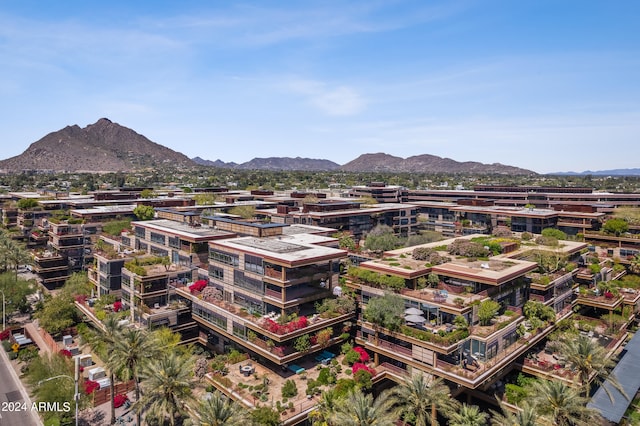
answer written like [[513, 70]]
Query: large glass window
[[174, 242], [210, 316], [253, 264], [217, 273], [251, 284], [140, 232], [223, 257], [158, 238]]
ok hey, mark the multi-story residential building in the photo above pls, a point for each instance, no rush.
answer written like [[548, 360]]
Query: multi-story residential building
[[110, 255], [434, 342], [148, 285], [352, 217], [380, 192], [184, 244], [262, 296], [52, 268]]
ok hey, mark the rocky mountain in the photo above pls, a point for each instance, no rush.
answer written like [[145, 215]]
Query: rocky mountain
[[217, 163], [426, 163], [274, 163], [109, 147], [379, 162], [100, 147], [288, 163]]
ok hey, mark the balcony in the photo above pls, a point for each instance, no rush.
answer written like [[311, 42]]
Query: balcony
[[261, 324], [596, 299]]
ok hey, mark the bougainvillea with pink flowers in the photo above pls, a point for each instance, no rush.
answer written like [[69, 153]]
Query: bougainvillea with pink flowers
[[119, 400], [197, 286], [90, 386], [293, 325], [364, 356], [360, 366], [117, 306], [4, 335]]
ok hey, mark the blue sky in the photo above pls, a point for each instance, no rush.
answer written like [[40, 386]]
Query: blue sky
[[544, 85]]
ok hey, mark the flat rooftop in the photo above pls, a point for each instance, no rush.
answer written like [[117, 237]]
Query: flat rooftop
[[200, 233], [293, 250], [122, 208]]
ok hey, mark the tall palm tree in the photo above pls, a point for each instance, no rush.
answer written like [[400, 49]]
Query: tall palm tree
[[14, 254], [101, 340], [591, 362], [130, 353], [468, 415], [167, 388], [561, 404], [220, 411], [325, 408], [524, 416], [424, 398], [358, 409]]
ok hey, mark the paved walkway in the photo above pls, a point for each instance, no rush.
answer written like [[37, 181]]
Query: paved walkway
[[34, 332]]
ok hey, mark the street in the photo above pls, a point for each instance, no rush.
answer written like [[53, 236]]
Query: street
[[15, 405]]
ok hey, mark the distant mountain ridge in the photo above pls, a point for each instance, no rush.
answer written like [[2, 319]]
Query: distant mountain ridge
[[426, 163], [106, 146], [100, 147], [611, 172], [378, 162]]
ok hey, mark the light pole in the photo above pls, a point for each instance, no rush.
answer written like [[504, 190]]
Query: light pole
[[4, 318], [75, 379]]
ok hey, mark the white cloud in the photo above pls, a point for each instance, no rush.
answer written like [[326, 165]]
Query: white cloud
[[335, 101]]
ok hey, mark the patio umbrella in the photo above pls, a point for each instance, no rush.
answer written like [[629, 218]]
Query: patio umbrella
[[413, 311], [416, 319]]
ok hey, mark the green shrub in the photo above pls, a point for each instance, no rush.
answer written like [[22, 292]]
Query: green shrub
[[514, 393], [289, 389], [352, 357]]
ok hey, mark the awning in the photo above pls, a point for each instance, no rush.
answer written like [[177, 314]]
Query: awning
[[626, 372]]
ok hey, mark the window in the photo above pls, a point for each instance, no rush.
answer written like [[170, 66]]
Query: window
[[223, 257], [239, 331], [140, 232], [159, 252], [217, 273], [174, 242], [253, 264], [251, 284], [210, 316], [158, 238]]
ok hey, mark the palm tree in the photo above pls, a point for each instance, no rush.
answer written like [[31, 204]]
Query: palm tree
[[167, 388], [358, 409], [468, 415], [561, 404], [101, 341], [591, 362], [325, 408], [634, 264], [14, 254], [424, 398], [219, 411], [130, 353], [524, 416]]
